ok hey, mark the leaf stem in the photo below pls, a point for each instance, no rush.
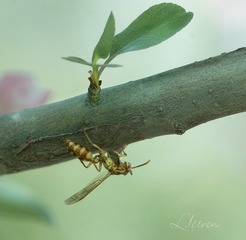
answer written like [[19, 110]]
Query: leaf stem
[[101, 69]]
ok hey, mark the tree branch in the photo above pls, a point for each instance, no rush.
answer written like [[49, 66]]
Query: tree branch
[[167, 103]]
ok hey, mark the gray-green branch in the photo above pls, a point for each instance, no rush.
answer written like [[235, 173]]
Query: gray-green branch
[[167, 103]]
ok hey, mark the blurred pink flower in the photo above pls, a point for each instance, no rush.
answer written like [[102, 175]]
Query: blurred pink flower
[[19, 91]]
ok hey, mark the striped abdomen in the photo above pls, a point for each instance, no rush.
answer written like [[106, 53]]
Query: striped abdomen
[[79, 151]]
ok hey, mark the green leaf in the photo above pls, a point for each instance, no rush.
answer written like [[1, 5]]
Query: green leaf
[[82, 61], [17, 202], [104, 45], [109, 65], [78, 60], [153, 26]]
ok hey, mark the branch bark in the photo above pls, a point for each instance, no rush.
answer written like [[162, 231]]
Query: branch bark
[[167, 103]]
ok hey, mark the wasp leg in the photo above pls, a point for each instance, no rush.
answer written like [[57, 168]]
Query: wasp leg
[[86, 166], [122, 154], [93, 144], [120, 151], [99, 167]]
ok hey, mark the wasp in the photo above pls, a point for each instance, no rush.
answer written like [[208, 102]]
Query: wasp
[[109, 159]]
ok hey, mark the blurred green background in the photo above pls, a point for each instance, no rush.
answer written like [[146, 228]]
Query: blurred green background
[[192, 179]]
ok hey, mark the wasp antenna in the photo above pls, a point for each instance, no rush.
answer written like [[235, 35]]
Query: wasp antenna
[[141, 164]]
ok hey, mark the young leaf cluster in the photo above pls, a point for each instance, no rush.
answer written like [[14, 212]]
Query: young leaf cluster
[[152, 27]]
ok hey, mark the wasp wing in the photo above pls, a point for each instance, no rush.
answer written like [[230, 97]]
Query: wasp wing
[[89, 188]]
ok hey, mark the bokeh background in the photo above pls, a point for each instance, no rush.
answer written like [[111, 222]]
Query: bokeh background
[[195, 178]]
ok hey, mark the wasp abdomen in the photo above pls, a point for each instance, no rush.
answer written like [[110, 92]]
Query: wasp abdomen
[[79, 151]]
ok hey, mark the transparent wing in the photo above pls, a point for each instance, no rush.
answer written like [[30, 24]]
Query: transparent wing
[[89, 188]]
